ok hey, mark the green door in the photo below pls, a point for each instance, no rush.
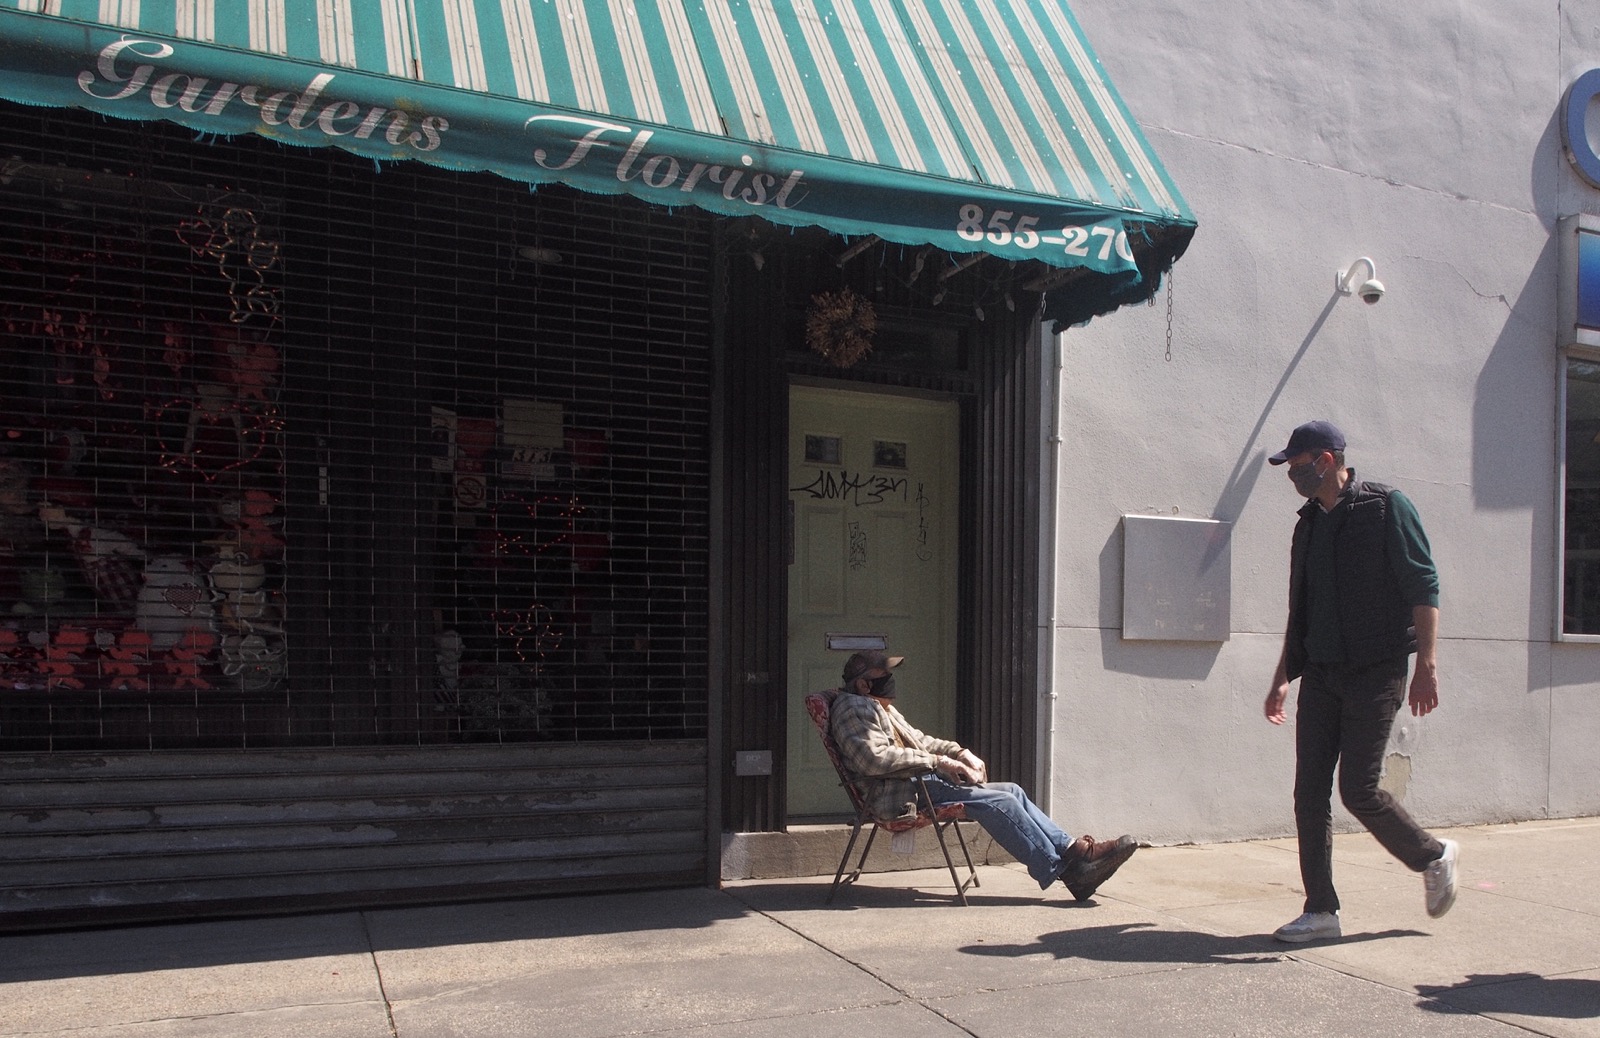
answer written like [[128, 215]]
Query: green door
[[873, 487]]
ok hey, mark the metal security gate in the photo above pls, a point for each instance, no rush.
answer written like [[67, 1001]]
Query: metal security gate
[[322, 461]]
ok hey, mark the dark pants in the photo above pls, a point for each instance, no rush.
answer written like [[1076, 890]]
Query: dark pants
[[1344, 717]]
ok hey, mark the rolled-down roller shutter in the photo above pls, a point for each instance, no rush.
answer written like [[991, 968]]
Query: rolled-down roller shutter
[[373, 494]]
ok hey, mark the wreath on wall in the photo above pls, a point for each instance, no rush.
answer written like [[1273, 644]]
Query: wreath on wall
[[839, 327]]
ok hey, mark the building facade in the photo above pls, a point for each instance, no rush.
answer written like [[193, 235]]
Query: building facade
[[1443, 143], [441, 451]]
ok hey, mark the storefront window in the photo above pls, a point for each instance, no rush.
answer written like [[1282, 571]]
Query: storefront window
[[285, 468], [142, 463], [1581, 556]]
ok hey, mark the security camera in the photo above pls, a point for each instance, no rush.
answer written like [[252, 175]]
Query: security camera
[[1370, 290]]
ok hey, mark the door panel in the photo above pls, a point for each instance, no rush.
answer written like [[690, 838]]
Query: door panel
[[873, 486], [821, 584]]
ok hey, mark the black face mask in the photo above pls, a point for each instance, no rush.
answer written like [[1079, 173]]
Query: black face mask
[[882, 687], [1306, 479]]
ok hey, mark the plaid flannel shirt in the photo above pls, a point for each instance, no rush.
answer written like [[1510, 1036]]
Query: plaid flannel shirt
[[864, 731]]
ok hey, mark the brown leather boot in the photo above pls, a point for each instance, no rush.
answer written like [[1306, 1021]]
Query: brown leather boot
[[1090, 863]]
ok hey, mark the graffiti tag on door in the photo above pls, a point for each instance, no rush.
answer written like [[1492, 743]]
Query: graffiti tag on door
[[924, 552], [856, 546], [856, 488]]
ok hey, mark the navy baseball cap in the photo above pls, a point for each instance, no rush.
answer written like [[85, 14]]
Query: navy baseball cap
[[1312, 436]]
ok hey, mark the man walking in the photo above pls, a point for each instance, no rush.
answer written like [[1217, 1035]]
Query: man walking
[[1363, 597]]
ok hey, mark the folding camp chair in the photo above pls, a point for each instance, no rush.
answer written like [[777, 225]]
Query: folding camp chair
[[940, 817]]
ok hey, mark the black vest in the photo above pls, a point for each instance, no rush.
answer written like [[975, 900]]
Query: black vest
[[1374, 618]]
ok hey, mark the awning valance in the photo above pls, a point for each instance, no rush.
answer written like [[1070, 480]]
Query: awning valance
[[969, 125]]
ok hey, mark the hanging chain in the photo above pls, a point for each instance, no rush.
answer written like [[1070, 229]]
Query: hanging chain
[[1169, 316]]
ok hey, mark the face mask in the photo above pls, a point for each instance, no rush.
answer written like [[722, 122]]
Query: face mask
[[1306, 479], [882, 687]]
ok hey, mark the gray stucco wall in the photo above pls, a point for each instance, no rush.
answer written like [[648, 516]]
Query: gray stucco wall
[[1426, 137]]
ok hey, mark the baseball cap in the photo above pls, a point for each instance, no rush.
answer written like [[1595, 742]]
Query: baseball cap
[[1312, 436], [862, 662]]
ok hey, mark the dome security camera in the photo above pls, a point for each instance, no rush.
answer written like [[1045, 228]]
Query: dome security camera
[[1370, 290]]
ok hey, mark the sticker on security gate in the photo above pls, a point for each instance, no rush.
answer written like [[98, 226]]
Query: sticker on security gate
[[1002, 227], [472, 490]]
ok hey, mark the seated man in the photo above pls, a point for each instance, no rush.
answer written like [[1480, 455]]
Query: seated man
[[885, 753]]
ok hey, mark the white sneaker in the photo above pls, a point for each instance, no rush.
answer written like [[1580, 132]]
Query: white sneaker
[[1439, 880], [1312, 926]]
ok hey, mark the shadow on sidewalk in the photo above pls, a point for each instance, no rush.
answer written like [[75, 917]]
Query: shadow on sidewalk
[[1524, 994], [1141, 942], [54, 955], [799, 897]]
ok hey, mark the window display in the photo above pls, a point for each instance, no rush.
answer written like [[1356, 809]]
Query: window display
[[296, 452], [141, 458]]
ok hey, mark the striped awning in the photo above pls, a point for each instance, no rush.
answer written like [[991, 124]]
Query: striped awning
[[969, 125]]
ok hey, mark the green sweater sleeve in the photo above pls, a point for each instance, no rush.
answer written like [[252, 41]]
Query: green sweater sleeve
[[1410, 559]]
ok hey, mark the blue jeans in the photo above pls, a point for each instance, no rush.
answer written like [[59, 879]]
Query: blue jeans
[[1015, 822]]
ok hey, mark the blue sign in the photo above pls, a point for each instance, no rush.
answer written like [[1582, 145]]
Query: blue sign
[[1575, 128], [1578, 294], [1588, 279]]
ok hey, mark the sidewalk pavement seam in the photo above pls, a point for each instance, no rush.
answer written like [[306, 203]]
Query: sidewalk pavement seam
[[905, 996], [377, 973], [1533, 901], [1285, 955]]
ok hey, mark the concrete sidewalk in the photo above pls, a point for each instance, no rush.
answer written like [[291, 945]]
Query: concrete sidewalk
[[1178, 943]]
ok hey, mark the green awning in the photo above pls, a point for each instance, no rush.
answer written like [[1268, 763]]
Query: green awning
[[968, 125]]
